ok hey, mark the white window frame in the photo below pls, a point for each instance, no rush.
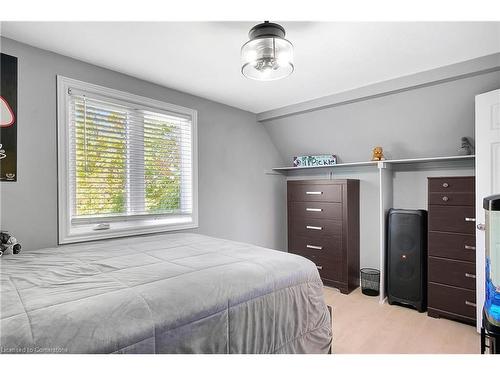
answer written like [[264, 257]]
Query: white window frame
[[68, 233]]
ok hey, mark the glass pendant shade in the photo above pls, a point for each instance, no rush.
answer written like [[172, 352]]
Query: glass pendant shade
[[267, 56]]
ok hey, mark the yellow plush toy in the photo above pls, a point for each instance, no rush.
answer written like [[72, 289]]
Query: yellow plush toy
[[378, 154]]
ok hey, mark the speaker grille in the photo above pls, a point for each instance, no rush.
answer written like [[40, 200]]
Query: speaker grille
[[405, 258]]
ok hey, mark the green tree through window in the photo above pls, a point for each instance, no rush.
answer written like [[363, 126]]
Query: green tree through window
[[104, 159], [162, 166], [101, 155]]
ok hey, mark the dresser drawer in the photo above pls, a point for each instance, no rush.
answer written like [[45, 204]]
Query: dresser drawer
[[452, 245], [452, 299], [316, 228], [452, 184], [452, 199], [330, 271], [314, 192], [314, 257], [316, 210], [459, 219], [330, 248], [327, 255], [452, 272]]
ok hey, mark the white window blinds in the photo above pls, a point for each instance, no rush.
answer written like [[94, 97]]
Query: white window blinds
[[127, 161]]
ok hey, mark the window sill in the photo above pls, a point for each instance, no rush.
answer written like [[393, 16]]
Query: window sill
[[87, 232]]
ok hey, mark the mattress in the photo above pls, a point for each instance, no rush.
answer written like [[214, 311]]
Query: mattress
[[173, 293]]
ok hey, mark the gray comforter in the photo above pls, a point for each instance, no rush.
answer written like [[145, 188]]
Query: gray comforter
[[174, 293]]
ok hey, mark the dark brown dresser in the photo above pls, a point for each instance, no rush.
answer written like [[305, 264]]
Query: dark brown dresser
[[452, 249], [323, 226]]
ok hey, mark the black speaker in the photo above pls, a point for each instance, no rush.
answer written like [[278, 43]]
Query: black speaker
[[407, 258]]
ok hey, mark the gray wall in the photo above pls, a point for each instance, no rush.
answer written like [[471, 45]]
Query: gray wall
[[428, 121], [237, 200], [422, 122]]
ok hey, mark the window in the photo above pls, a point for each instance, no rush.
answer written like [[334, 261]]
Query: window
[[127, 164]]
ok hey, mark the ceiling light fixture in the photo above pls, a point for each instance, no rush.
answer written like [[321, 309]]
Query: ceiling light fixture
[[267, 56]]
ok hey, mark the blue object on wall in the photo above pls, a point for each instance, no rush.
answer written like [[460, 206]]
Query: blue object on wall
[[491, 205]]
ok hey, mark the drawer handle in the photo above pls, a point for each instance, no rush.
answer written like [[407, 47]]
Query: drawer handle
[[313, 227], [314, 247], [470, 219], [314, 192], [468, 303], [319, 267], [467, 247], [314, 209], [445, 199], [445, 184], [470, 275]]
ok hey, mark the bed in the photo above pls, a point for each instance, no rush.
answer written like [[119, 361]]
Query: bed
[[172, 293]]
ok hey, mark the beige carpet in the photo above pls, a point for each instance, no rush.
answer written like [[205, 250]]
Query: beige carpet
[[362, 326]]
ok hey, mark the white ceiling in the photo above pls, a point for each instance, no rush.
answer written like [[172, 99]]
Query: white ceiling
[[202, 58]]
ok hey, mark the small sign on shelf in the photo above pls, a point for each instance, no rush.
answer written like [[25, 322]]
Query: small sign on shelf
[[314, 160]]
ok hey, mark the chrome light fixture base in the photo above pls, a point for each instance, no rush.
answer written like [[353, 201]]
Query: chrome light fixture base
[[267, 56]]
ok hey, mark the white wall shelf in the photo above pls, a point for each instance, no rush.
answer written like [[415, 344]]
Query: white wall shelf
[[285, 170], [386, 169], [355, 164]]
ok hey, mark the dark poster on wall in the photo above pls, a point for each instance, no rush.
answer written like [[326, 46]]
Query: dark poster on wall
[[8, 118]]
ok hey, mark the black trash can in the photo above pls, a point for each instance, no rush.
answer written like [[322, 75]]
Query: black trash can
[[370, 281]]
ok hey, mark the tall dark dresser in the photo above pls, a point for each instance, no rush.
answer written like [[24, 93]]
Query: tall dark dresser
[[452, 248], [323, 226]]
